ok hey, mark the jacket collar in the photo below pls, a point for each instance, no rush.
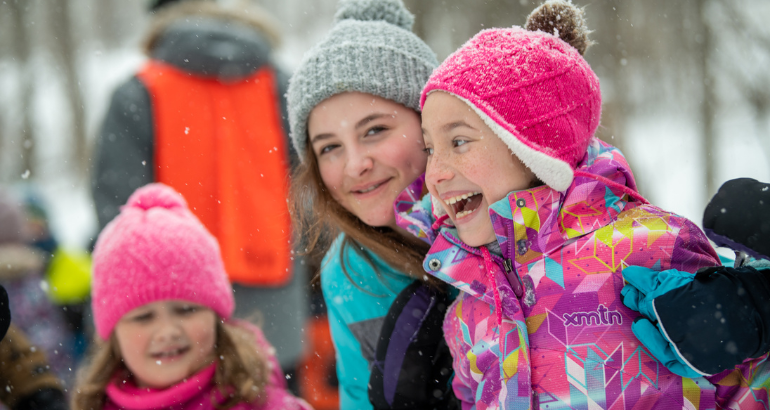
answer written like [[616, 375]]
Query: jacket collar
[[128, 396]]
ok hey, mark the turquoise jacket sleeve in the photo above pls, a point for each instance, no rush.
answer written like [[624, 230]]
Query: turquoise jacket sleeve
[[357, 303]]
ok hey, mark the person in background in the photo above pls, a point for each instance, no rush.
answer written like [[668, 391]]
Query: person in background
[[162, 307], [206, 115], [355, 123], [67, 270], [21, 273], [708, 323]]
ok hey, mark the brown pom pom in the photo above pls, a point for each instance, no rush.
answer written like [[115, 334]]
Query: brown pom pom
[[562, 19]]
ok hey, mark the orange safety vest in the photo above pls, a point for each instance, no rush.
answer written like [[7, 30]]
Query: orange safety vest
[[222, 146]]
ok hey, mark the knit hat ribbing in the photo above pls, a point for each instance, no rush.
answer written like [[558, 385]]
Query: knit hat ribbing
[[156, 249], [534, 90], [371, 49]]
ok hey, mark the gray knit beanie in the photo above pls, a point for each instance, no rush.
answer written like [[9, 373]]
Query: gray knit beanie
[[371, 49]]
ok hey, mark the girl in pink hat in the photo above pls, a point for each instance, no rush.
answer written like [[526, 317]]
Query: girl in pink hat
[[162, 305], [533, 219]]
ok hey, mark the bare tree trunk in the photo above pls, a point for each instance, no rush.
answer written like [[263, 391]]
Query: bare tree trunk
[[64, 51], [21, 53], [106, 23], [615, 113], [709, 97]]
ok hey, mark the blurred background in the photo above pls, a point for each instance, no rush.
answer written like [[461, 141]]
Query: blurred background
[[685, 85]]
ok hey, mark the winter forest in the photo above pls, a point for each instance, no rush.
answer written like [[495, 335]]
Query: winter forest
[[685, 88]]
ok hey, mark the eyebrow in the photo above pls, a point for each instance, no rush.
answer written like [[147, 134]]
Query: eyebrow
[[369, 118], [456, 124], [320, 137]]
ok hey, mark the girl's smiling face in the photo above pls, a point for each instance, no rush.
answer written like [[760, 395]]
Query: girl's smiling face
[[368, 149], [164, 342], [469, 167]]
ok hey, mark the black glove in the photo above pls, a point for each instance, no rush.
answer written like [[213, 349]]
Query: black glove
[[719, 319], [412, 367], [5, 312], [738, 217]]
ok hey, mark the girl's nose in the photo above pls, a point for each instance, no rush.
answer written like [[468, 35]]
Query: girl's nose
[[359, 162], [437, 170], [169, 330]]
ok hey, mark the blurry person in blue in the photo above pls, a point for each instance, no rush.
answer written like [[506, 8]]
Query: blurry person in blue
[[205, 115], [35, 352], [707, 323], [22, 274]]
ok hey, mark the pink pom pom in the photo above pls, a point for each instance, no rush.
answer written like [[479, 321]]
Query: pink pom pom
[[156, 196]]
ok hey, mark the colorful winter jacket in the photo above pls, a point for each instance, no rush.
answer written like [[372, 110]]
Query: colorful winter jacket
[[558, 335], [356, 305]]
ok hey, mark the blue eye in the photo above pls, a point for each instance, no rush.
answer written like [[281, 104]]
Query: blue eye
[[328, 148], [375, 130], [428, 150], [457, 143]]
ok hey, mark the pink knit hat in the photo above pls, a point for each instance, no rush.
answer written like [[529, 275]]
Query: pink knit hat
[[533, 89], [156, 249]]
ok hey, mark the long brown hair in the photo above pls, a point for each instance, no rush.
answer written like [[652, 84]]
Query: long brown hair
[[320, 218], [241, 373]]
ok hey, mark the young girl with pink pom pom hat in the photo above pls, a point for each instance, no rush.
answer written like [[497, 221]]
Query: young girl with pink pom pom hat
[[162, 305], [533, 219]]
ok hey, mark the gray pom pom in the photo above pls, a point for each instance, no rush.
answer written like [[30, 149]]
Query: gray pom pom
[[392, 11], [562, 19]]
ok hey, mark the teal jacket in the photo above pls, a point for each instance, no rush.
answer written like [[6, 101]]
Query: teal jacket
[[356, 311]]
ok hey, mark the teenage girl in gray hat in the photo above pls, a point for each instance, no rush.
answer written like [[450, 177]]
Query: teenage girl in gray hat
[[353, 111]]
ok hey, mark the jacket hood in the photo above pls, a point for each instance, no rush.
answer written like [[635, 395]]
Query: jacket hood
[[207, 40], [530, 223]]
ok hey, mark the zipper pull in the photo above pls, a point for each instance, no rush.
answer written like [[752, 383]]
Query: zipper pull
[[518, 287]]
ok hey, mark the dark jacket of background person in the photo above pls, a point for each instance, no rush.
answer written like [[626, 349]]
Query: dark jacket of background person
[[218, 50], [25, 375]]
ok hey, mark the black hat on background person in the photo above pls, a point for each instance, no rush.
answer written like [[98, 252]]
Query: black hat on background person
[[738, 217], [5, 312]]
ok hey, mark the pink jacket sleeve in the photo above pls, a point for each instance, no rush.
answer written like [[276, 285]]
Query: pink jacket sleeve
[[692, 249]]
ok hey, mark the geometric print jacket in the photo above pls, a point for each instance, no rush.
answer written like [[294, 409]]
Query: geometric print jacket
[[542, 325]]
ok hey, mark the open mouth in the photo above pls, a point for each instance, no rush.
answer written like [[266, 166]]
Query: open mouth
[[170, 353], [371, 187], [465, 204]]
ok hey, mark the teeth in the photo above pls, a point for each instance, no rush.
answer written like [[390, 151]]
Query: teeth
[[171, 353], [463, 213], [371, 188], [453, 200]]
